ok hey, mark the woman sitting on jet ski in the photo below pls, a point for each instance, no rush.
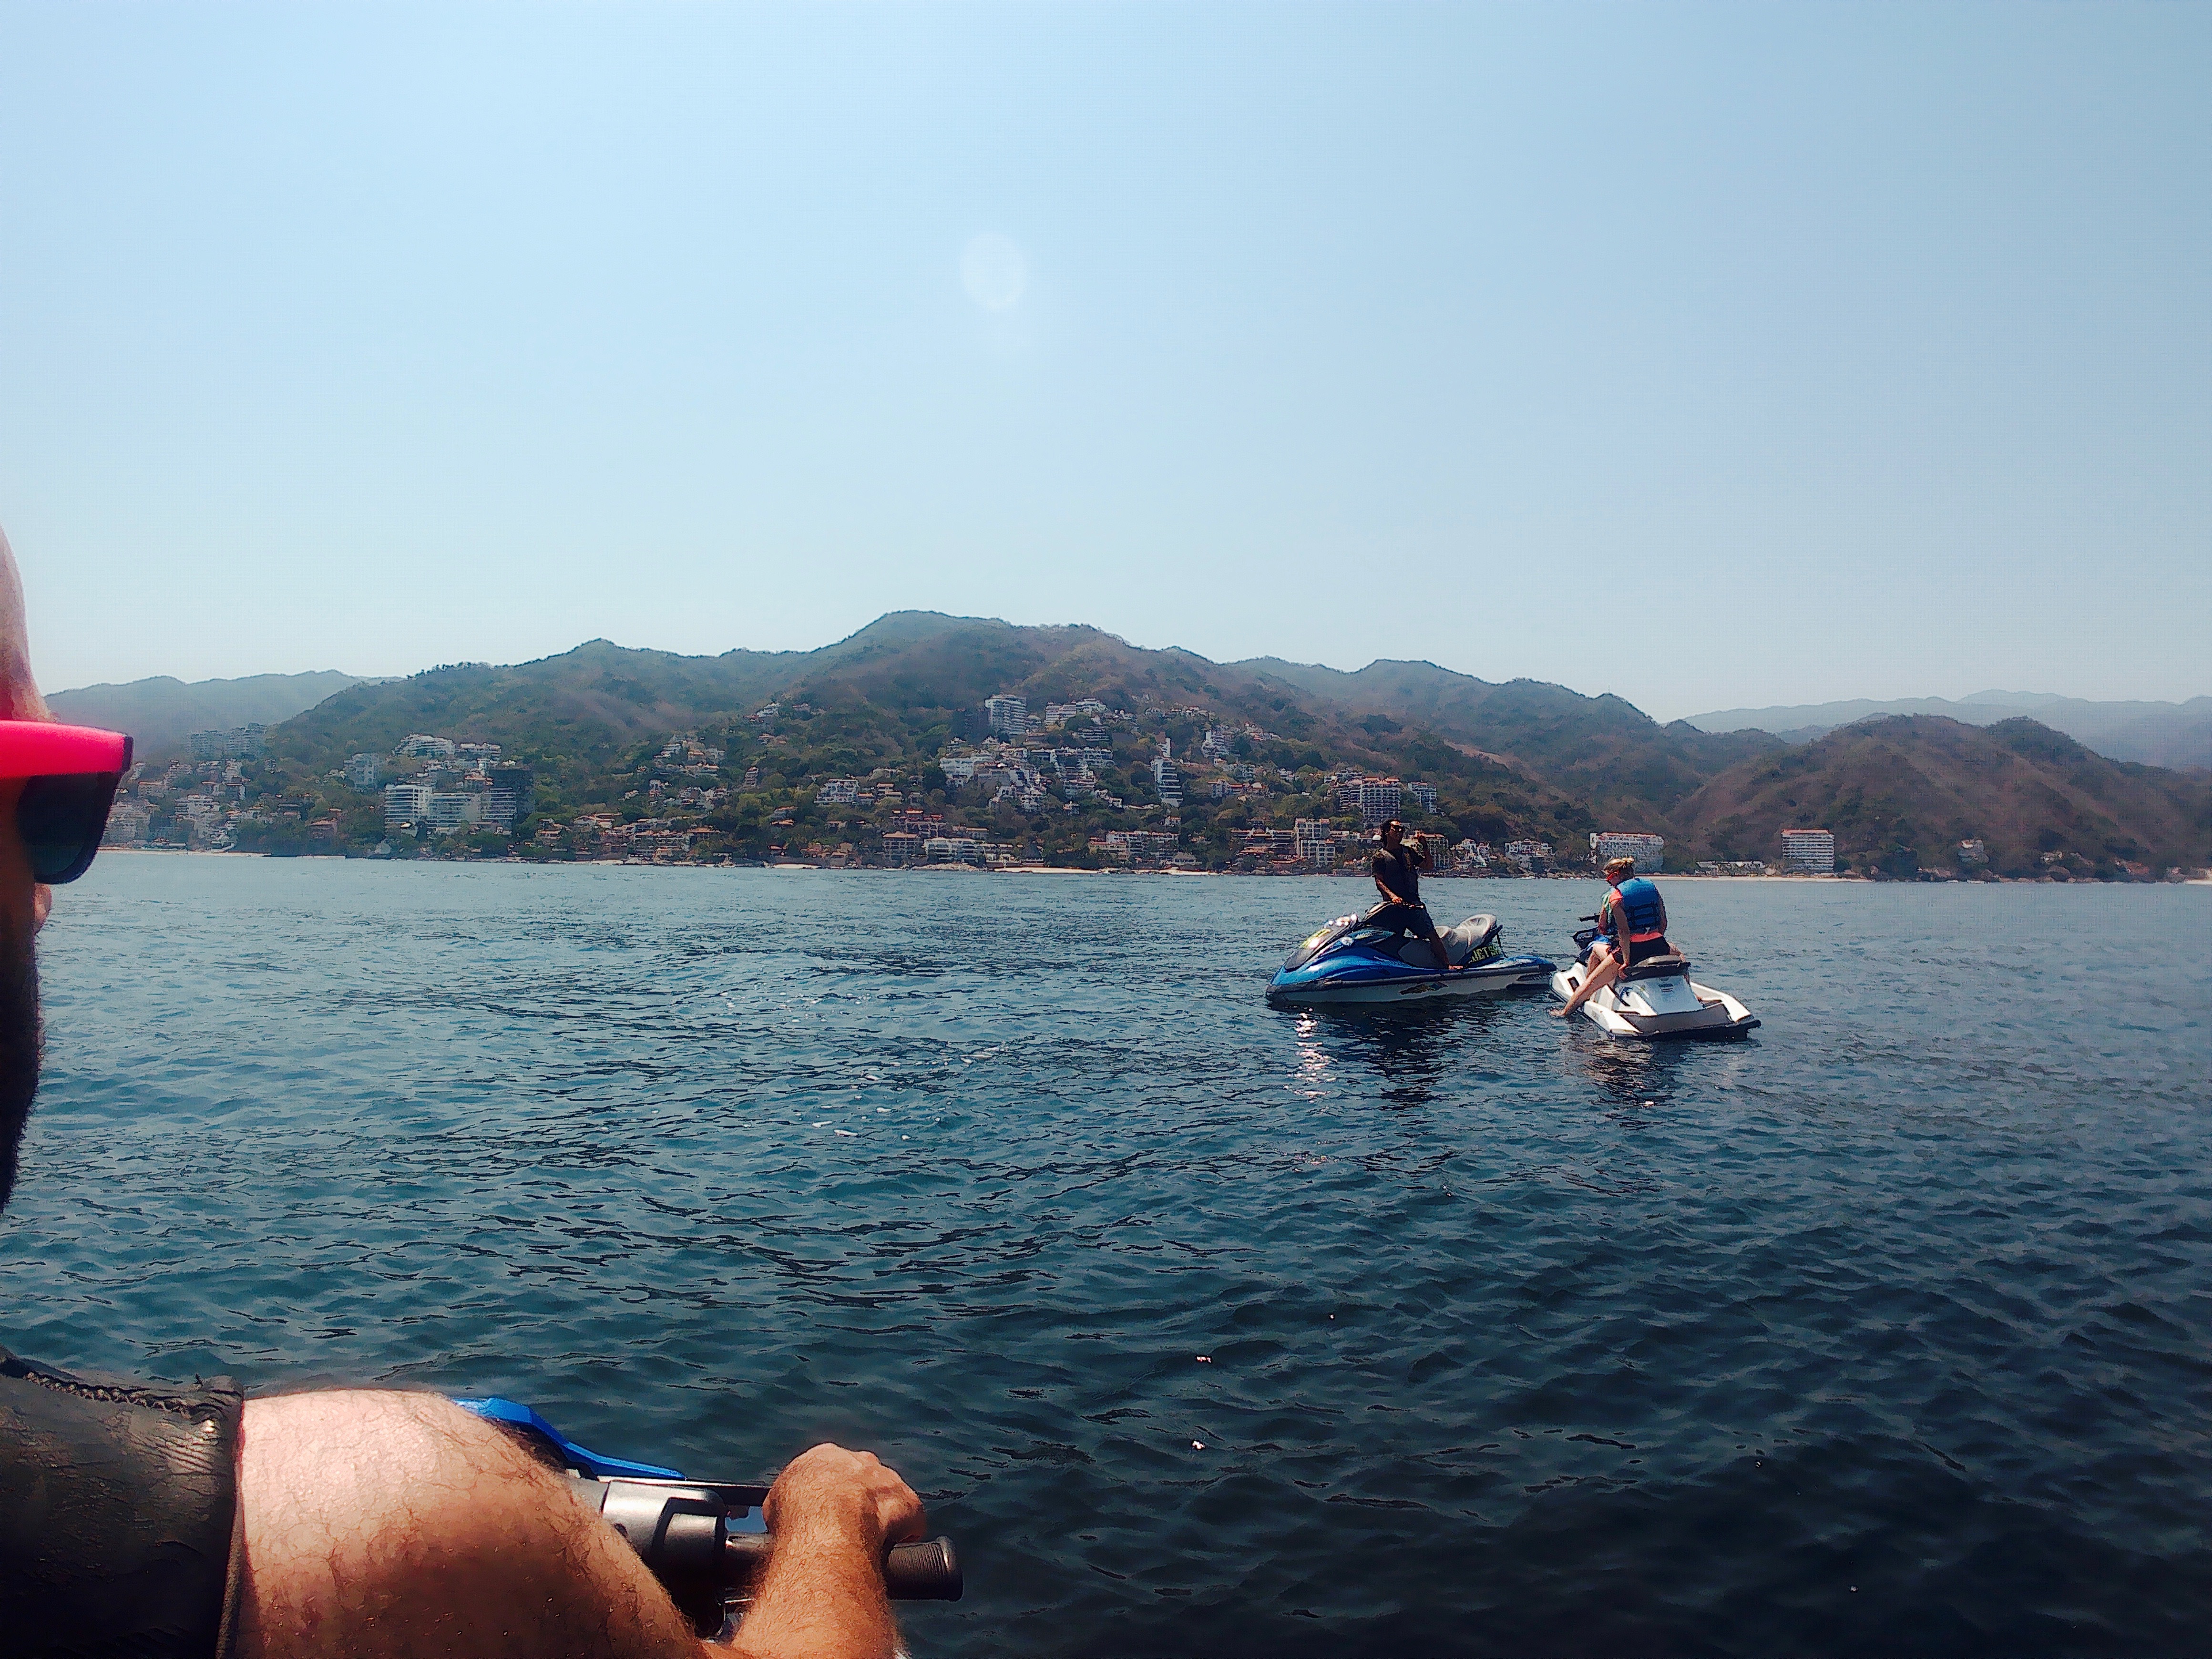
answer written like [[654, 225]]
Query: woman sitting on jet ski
[[1634, 918]]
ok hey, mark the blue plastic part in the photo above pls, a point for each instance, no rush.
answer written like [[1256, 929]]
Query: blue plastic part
[[494, 1409], [1352, 965]]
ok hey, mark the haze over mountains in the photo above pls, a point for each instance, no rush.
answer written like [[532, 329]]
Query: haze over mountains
[[2176, 734], [1523, 757], [162, 713]]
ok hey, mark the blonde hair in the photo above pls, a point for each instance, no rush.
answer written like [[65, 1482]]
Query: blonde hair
[[1612, 865]]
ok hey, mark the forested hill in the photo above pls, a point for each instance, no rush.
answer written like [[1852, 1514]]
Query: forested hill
[[1902, 793], [1508, 761], [2171, 734], [892, 697], [1603, 749]]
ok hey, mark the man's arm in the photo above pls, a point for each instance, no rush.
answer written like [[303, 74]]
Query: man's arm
[[832, 1512], [378, 1525]]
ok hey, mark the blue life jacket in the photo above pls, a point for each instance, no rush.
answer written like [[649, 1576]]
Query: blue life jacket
[[1635, 903]]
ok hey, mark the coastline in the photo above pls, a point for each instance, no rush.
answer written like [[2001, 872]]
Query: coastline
[[788, 865]]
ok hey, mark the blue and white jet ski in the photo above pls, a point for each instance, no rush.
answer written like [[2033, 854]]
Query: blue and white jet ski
[[1350, 960]]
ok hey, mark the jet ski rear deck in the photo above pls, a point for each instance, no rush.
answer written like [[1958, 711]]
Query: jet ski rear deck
[[1656, 999]]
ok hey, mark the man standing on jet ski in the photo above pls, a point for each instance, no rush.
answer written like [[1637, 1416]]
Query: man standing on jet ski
[[1398, 876], [1634, 918]]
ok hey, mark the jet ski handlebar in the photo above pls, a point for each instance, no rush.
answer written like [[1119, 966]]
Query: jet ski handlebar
[[705, 1541], [701, 1536]]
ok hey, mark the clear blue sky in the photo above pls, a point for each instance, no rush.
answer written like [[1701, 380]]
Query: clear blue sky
[[1712, 356]]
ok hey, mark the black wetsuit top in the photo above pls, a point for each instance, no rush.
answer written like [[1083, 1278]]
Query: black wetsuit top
[[118, 1510], [1398, 871]]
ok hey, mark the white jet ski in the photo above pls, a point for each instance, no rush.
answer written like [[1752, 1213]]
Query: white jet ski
[[1656, 999]]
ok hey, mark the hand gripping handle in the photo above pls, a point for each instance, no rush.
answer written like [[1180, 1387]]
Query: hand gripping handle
[[928, 1571]]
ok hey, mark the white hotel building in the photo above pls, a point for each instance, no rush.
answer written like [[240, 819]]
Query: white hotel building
[[1809, 852], [1649, 852]]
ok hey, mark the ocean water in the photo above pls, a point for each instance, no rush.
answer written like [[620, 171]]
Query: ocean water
[[1887, 1331]]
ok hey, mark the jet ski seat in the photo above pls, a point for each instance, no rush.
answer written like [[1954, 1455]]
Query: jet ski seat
[[1464, 943], [1658, 967], [1477, 933]]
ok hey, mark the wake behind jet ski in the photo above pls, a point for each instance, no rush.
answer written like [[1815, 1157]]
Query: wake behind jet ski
[[1362, 959], [1652, 998]]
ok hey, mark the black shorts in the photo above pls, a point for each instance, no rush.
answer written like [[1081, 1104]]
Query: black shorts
[[1403, 919], [1641, 951], [118, 1514]]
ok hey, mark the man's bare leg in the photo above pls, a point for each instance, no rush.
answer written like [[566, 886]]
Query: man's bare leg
[[378, 1525]]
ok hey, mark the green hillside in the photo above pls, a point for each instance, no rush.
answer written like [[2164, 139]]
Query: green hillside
[[1902, 793], [881, 710], [1629, 768]]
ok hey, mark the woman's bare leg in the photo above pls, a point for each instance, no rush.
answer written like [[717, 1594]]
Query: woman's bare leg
[[1604, 968]]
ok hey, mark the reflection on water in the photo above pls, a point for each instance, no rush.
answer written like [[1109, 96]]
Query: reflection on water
[[1398, 1053]]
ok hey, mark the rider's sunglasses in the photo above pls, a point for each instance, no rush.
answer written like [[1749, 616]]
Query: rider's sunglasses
[[70, 775]]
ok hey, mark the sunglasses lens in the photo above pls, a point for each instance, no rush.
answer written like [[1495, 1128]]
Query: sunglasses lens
[[61, 819]]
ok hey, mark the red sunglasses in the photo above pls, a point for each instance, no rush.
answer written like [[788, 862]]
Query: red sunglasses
[[70, 775]]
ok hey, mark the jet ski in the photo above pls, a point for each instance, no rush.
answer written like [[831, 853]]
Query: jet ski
[[1352, 959], [1656, 999]]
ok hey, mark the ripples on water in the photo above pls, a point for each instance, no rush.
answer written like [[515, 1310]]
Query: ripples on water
[[1886, 1331]]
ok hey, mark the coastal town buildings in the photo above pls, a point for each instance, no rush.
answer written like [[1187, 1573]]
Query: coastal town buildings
[[1649, 851], [447, 812], [1313, 841], [239, 743], [1809, 852], [1532, 858], [1167, 779], [363, 771], [507, 796], [405, 802], [128, 824], [1379, 800]]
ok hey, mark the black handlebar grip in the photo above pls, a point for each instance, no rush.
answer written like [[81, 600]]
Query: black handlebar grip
[[928, 1571]]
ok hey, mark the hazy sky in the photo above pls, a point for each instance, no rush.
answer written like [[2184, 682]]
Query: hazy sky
[[1712, 356]]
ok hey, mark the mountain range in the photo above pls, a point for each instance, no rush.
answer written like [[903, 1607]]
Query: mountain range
[[2175, 734], [1517, 758], [161, 713]]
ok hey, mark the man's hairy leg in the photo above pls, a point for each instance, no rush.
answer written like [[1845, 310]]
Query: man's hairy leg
[[380, 1525], [391, 1524]]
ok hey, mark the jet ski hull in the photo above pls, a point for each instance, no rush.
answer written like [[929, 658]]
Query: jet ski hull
[[1671, 1007], [1360, 959], [1355, 983]]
